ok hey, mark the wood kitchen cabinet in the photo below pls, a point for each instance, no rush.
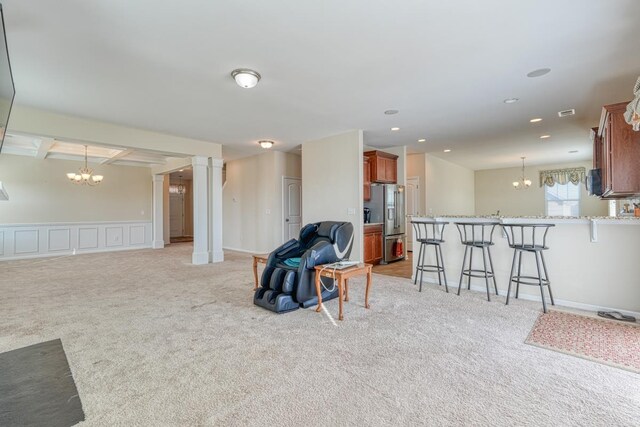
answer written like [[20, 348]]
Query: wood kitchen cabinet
[[372, 243], [366, 179], [383, 166], [617, 153]]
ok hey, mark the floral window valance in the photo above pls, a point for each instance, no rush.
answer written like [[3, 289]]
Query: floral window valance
[[562, 176]]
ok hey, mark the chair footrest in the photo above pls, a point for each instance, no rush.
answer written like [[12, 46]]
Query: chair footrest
[[477, 273], [529, 280]]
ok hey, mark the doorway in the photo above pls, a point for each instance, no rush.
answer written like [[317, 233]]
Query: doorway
[[181, 206], [291, 208]]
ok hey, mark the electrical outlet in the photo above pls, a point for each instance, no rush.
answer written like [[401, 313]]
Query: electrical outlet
[[351, 211]]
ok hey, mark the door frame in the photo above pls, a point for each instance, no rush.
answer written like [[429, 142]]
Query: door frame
[[282, 207], [409, 230]]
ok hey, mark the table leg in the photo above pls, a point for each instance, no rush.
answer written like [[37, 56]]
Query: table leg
[[340, 292], [346, 290], [318, 292], [366, 294], [255, 272]]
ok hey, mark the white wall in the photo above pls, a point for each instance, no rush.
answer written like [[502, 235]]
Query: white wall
[[494, 191], [252, 200], [449, 188], [416, 168], [332, 182], [41, 192]]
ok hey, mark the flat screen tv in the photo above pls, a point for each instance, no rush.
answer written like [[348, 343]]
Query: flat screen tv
[[7, 89]]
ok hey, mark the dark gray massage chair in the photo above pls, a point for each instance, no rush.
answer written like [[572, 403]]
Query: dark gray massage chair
[[284, 288]]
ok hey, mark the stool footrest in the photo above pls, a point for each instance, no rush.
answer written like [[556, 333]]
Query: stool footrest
[[530, 280], [430, 268], [477, 273]]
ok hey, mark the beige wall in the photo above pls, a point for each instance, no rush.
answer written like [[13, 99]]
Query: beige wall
[[416, 168], [449, 188], [40, 192], [252, 200], [332, 182], [494, 191]]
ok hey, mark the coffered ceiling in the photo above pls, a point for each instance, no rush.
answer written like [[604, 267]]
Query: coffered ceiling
[[334, 65]]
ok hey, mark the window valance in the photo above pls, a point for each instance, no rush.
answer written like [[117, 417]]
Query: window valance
[[562, 176]]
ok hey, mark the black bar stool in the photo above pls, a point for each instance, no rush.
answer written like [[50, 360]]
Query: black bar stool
[[477, 235], [430, 233], [523, 238]]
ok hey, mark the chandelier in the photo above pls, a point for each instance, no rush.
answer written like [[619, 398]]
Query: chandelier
[[177, 189], [523, 183], [85, 175]]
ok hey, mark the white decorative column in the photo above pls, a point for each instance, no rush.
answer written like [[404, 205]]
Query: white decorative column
[[158, 219], [217, 255], [200, 223]]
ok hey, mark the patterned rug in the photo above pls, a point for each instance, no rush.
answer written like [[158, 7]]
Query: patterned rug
[[610, 342]]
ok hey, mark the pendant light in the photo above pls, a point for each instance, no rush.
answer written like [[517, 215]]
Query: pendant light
[[523, 183]]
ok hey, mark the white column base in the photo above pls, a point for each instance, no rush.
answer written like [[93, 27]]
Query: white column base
[[199, 258], [218, 256], [157, 244]]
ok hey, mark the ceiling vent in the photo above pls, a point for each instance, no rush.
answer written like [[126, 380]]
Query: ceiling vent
[[565, 113]]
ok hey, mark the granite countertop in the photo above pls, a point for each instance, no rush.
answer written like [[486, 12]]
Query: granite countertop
[[501, 217]]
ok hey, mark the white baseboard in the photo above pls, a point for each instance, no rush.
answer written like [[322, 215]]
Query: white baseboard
[[227, 248], [537, 298], [77, 253]]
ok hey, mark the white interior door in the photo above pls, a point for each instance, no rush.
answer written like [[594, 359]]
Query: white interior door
[[413, 207], [291, 208], [176, 215]]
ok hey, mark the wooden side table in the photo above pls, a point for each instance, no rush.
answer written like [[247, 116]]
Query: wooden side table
[[341, 277], [262, 259]]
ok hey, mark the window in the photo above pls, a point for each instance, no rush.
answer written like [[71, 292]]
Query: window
[[562, 199]]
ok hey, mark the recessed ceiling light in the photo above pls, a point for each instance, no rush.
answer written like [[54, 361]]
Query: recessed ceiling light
[[573, 151], [245, 77], [545, 136], [511, 100], [394, 129], [265, 143], [422, 140], [181, 170], [391, 112], [536, 120], [539, 72], [447, 151]]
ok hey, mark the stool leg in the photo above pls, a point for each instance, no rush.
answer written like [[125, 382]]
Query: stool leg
[[464, 259], [415, 279], [444, 274], [493, 273], [546, 277], [544, 303], [513, 266], [438, 265], [519, 271], [486, 273], [424, 253], [470, 267]]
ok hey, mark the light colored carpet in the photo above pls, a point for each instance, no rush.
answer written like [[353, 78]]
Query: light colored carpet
[[153, 340]]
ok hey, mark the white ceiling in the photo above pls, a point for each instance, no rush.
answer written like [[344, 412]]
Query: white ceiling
[[330, 66]]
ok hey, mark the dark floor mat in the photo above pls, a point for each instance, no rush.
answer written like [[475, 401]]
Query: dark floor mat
[[37, 388]]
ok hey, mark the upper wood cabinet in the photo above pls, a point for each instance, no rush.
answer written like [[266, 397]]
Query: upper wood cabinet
[[617, 153], [366, 179], [384, 167]]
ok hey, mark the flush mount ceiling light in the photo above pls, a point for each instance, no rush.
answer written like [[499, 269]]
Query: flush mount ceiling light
[[536, 120], [85, 175], [539, 72], [245, 77], [545, 136], [447, 151], [523, 183], [265, 143], [391, 112], [422, 140], [511, 100], [395, 129]]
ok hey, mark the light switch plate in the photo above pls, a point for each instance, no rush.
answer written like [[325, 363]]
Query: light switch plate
[[351, 211]]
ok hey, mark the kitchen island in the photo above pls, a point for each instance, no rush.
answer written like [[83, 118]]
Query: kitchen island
[[593, 262]]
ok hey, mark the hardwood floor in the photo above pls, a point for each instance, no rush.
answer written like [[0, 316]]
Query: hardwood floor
[[398, 269]]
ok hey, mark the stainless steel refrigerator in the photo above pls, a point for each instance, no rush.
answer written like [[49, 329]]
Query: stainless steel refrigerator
[[387, 206]]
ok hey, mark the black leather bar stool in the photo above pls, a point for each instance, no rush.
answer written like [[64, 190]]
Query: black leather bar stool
[[477, 235], [530, 238], [430, 233]]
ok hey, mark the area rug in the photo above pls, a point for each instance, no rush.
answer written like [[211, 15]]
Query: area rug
[[605, 341], [37, 388]]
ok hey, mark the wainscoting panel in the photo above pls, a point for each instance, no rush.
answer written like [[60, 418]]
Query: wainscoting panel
[[19, 241]]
